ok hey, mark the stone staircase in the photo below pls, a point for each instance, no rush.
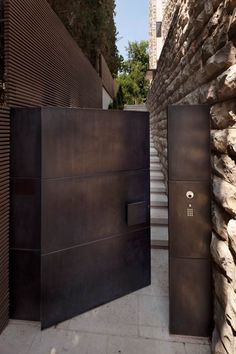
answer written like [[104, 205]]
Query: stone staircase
[[159, 202]]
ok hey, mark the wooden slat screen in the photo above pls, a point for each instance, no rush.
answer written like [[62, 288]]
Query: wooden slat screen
[[107, 79], [43, 66], [4, 214]]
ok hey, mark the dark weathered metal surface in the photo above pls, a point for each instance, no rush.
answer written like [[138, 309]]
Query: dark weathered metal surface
[[89, 209], [190, 297], [79, 279], [127, 142], [189, 220], [138, 213], [190, 235], [189, 143], [25, 284], [83, 168], [25, 214]]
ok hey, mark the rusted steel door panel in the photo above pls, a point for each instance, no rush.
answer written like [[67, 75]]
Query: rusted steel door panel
[[189, 143], [84, 178], [190, 220]]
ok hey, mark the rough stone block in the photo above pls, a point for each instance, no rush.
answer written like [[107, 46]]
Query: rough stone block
[[208, 92], [223, 115], [220, 221], [225, 167], [231, 229], [232, 25], [226, 340], [226, 297], [223, 257], [208, 49], [208, 7], [227, 84], [225, 194], [217, 345], [216, 18], [223, 59], [231, 141], [230, 5], [219, 140], [224, 141]]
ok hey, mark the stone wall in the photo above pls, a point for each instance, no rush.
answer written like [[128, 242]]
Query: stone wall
[[152, 34], [169, 7], [198, 66]]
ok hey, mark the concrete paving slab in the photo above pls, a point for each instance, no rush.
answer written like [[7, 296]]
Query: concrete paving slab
[[18, 339], [163, 335], [153, 311], [58, 341], [120, 317], [122, 345], [134, 324]]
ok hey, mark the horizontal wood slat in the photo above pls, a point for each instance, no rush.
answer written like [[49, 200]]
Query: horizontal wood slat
[[43, 66]]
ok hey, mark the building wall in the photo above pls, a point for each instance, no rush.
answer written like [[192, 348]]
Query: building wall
[[106, 99], [152, 34], [108, 81], [156, 8], [43, 66], [198, 66], [169, 7]]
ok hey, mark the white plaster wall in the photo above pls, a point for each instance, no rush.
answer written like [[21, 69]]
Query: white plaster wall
[[106, 99]]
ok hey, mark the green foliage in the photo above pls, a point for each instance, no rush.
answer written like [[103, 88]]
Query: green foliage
[[91, 23], [133, 71], [118, 102]]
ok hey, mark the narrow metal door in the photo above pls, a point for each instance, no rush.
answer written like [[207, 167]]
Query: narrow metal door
[[93, 205], [189, 220]]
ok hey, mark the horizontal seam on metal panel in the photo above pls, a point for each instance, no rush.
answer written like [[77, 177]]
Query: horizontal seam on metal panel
[[96, 241]]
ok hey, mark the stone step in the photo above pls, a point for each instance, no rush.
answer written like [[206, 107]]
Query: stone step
[[157, 176], [159, 212], [155, 167], [158, 189], [159, 233], [156, 184], [159, 200], [154, 159], [159, 203], [159, 221], [153, 151], [161, 245]]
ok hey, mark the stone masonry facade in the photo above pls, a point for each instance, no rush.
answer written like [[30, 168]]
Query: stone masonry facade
[[169, 7], [156, 9], [152, 34], [198, 66]]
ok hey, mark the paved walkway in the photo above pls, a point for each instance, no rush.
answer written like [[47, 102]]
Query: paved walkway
[[135, 324]]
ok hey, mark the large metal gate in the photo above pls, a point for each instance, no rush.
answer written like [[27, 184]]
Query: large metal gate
[[80, 210]]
